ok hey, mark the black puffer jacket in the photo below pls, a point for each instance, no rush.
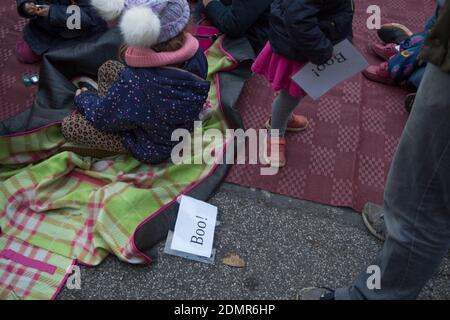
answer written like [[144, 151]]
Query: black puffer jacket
[[46, 33], [236, 18], [306, 30]]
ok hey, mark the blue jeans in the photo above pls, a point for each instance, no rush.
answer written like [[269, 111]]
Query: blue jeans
[[417, 199], [416, 77]]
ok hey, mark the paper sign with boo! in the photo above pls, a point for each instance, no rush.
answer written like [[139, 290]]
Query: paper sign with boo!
[[317, 80], [194, 230]]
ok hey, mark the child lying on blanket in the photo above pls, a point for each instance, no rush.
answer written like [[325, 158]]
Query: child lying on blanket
[[48, 26], [160, 88], [401, 64]]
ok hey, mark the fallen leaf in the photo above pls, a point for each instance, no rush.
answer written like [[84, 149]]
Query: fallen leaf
[[234, 261]]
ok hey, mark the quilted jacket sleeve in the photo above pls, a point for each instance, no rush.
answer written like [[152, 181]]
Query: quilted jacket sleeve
[[303, 26]]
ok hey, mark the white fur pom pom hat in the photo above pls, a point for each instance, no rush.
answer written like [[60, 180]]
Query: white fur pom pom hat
[[145, 23]]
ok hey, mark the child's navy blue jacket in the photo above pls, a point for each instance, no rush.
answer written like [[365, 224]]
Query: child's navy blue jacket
[[306, 30], [236, 18], [46, 33], [146, 105]]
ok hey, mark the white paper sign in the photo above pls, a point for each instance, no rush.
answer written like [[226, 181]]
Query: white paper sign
[[193, 257], [194, 230], [317, 80]]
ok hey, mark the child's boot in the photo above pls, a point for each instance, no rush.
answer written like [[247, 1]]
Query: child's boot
[[384, 51], [378, 73], [276, 159]]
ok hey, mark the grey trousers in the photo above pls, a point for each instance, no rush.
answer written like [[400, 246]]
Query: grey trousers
[[417, 200]]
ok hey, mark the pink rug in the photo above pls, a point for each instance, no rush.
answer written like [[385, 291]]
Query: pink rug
[[344, 157], [14, 96]]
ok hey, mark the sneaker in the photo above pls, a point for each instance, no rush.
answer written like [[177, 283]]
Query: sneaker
[[378, 73], [296, 124], [323, 294], [384, 51], [85, 82], [275, 160], [409, 102], [394, 33], [373, 217]]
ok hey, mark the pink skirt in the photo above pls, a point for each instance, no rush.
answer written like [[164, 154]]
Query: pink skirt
[[278, 70]]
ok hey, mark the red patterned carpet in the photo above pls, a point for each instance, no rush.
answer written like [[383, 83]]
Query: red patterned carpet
[[14, 96], [344, 157]]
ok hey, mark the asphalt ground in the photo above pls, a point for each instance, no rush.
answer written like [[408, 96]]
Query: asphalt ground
[[287, 244]]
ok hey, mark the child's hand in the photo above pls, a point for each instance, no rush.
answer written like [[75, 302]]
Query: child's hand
[[30, 8], [43, 11], [80, 91]]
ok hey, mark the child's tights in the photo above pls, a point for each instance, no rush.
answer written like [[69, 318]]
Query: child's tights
[[282, 109]]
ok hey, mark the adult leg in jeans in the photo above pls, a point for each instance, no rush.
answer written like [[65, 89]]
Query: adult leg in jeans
[[417, 199]]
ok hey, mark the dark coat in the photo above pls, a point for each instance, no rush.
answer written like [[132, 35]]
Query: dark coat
[[146, 105], [46, 33], [237, 18], [306, 30], [437, 45]]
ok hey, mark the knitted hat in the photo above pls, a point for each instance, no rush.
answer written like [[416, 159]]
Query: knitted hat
[[145, 23]]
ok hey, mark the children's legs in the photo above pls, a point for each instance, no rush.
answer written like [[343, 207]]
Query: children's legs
[[282, 112], [78, 130], [282, 109], [25, 54], [108, 73]]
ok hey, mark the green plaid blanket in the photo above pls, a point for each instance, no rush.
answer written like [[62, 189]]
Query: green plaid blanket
[[58, 208]]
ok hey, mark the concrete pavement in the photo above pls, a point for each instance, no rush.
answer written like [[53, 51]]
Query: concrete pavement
[[287, 243]]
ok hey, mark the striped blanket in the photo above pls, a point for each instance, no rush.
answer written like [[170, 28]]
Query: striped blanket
[[58, 208]]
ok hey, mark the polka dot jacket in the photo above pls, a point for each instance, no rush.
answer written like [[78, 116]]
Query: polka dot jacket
[[145, 105]]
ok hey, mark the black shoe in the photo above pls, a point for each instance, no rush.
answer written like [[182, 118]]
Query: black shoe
[[394, 33], [313, 293], [409, 102]]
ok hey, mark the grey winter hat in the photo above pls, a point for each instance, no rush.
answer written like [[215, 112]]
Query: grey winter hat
[[145, 23]]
